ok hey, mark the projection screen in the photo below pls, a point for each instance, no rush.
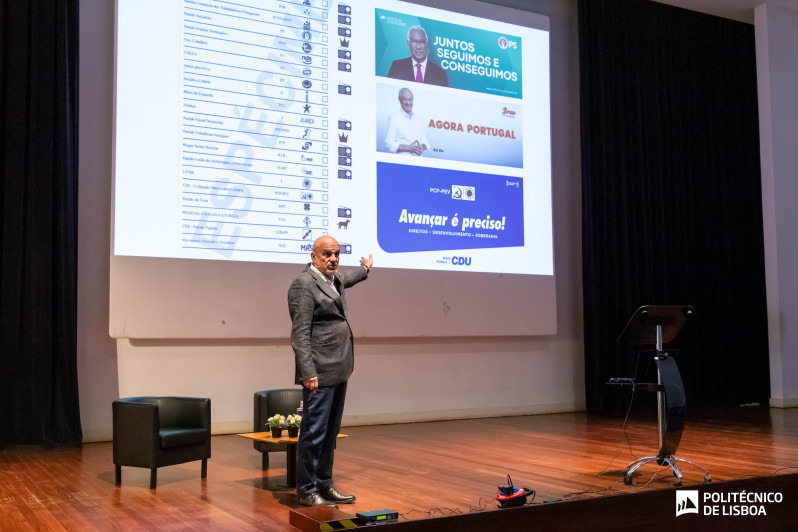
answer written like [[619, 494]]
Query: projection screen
[[416, 133]]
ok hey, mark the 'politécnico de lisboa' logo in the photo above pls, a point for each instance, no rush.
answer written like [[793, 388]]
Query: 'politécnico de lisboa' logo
[[686, 502], [732, 503]]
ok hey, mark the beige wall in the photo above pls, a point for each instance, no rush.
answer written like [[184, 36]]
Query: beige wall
[[777, 80]]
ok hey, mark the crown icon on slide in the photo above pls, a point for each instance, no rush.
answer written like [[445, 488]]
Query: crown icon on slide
[[343, 137], [344, 43]]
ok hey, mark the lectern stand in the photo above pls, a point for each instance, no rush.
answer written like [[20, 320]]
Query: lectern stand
[[653, 325]]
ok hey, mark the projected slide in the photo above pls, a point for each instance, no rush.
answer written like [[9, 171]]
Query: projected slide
[[245, 130]]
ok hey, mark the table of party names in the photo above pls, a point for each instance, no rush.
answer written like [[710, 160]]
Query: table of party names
[[256, 156]]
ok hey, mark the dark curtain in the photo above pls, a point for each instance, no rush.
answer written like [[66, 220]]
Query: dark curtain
[[38, 224], [672, 209]]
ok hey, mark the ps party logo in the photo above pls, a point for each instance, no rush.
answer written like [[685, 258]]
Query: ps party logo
[[505, 43]]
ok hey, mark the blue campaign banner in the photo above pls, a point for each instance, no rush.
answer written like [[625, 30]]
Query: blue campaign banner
[[431, 209]]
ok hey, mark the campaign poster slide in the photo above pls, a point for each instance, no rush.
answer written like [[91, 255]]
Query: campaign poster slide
[[471, 59], [431, 209], [454, 127]]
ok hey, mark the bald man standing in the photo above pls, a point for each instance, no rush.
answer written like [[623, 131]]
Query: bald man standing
[[324, 356]]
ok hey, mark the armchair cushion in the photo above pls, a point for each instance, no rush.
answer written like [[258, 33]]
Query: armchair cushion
[[180, 437]]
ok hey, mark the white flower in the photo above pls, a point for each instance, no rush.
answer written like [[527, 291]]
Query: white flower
[[276, 421]]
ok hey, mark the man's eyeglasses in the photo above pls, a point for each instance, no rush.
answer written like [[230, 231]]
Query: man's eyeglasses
[[415, 42]]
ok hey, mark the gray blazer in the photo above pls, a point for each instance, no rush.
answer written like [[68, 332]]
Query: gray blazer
[[320, 333]]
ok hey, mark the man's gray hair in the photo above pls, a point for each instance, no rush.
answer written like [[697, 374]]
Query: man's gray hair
[[417, 28]]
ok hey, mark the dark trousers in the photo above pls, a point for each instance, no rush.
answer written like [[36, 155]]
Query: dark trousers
[[321, 421]]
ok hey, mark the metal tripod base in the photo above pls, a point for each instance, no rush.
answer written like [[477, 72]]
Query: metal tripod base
[[667, 460]]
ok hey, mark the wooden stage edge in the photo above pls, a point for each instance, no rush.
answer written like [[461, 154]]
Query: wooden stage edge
[[719, 508], [438, 476]]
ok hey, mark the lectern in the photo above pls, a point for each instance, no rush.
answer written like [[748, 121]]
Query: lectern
[[657, 325]]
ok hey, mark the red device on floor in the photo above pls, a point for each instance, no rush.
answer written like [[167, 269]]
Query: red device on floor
[[509, 496]]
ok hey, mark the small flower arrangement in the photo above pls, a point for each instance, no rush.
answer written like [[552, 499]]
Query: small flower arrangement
[[277, 421], [293, 420]]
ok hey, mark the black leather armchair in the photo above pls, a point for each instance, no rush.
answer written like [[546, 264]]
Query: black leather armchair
[[154, 432], [268, 403]]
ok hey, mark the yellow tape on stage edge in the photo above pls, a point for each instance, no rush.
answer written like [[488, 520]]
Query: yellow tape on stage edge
[[341, 524]]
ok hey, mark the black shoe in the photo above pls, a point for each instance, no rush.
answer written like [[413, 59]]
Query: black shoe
[[314, 499], [332, 495]]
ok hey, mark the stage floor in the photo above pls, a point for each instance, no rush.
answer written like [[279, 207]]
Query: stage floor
[[421, 470]]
